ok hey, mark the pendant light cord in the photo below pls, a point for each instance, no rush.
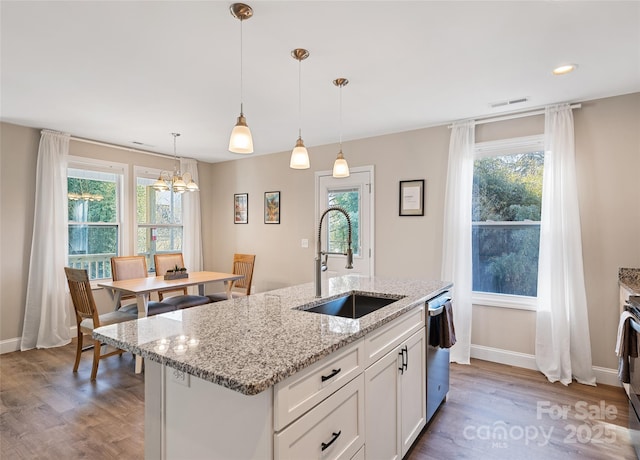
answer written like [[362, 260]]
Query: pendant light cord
[[341, 118], [175, 153], [300, 98], [241, 82]]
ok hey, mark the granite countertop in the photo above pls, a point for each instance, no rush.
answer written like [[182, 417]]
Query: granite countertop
[[251, 343], [629, 278]]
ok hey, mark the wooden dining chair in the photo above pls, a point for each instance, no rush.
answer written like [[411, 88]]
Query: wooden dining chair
[[131, 267], [180, 297], [242, 265], [87, 317]]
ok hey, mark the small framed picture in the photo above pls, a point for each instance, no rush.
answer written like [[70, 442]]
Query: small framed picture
[[412, 197], [271, 207], [241, 208]]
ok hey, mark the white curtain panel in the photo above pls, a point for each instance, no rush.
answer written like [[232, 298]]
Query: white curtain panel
[[47, 310], [191, 220], [563, 345], [456, 250]]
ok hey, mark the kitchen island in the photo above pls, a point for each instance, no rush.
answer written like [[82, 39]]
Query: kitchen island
[[214, 373]]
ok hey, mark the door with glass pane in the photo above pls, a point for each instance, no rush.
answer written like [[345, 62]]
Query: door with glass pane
[[355, 195]]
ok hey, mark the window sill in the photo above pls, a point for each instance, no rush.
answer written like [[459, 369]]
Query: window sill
[[516, 302]]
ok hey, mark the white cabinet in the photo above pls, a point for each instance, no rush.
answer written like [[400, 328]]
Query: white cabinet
[[382, 406], [302, 391], [395, 399], [334, 429], [413, 389]]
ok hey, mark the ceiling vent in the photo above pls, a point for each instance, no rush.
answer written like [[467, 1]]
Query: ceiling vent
[[142, 144], [519, 100]]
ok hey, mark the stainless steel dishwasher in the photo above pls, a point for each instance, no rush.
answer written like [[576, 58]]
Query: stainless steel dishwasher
[[437, 359]]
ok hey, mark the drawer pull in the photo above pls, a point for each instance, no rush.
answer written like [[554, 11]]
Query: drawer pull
[[334, 372], [324, 445]]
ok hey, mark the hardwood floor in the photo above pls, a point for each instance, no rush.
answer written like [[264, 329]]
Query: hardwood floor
[[48, 412], [501, 412]]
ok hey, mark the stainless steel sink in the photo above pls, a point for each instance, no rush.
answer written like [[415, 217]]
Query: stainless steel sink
[[351, 306]]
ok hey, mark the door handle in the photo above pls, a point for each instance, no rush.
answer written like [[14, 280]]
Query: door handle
[[405, 359], [404, 353]]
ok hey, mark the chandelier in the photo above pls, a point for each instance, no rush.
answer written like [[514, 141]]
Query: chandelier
[[178, 182]]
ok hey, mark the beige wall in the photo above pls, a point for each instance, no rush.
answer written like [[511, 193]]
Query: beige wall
[[608, 161]]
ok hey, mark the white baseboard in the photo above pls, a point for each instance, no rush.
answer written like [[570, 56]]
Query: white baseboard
[[11, 345], [603, 375]]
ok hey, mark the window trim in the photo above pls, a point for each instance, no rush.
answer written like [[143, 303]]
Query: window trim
[[153, 174], [119, 169], [509, 146]]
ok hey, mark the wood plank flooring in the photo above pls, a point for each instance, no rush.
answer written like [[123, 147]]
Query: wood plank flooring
[[493, 412]]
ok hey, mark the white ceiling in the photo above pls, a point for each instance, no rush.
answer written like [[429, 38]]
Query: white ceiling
[[120, 71]]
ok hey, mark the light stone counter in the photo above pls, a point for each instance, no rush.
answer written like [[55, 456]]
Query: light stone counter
[[250, 344], [629, 278]]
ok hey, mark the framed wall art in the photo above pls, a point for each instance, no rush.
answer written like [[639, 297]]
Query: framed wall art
[[241, 208], [412, 197], [271, 207]]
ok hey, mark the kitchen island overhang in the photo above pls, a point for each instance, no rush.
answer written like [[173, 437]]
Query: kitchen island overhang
[[249, 344]]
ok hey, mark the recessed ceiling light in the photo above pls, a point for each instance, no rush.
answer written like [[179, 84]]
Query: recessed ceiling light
[[564, 69]]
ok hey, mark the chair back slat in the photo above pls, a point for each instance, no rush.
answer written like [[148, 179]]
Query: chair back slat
[[82, 295], [243, 265]]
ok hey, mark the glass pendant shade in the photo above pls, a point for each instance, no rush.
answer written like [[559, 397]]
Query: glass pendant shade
[[241, 140], [179, 186], [192, 186], [299, 156], [160, 185], [340, 167]]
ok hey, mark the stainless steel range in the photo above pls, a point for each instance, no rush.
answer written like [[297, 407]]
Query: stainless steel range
[[633, 306]]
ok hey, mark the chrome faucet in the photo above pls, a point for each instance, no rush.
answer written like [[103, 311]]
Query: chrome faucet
[[320, 266]]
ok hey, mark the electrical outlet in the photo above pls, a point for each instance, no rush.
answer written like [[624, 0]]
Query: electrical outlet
[[305, 243], [180, 377]]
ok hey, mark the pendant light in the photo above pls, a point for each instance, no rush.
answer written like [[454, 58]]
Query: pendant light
[[299, 155], [241, 140], [178, 182], [340, 167]]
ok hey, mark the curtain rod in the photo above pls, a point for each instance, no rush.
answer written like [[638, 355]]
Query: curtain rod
[[515, 115], [120, 147]]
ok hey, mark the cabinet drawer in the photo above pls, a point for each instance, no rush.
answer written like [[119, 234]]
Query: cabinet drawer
[[382, 340], [336, 424], [359, 455], [302, 391]]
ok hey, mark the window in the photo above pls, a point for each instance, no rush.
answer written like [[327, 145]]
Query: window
[[507, 197], [94, 216], [337, 228], [158, 217]]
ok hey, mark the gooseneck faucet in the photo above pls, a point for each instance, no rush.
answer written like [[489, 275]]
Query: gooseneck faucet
[[320, 267]]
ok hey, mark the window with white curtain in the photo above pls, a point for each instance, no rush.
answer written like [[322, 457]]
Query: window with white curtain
[[507, 197], [158, 218], [95, 210]]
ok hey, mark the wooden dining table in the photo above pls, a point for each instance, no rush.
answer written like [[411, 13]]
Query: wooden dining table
[[143, 287]]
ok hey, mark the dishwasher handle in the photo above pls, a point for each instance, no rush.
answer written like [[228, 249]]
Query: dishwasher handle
[[436, 306]]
